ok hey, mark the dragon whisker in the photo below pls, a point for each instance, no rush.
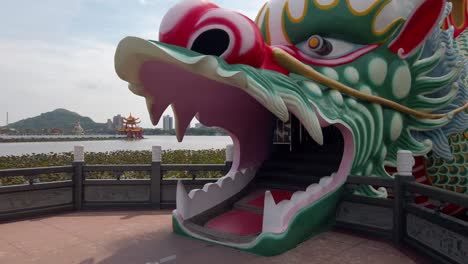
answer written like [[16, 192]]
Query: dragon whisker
[[294, 65]]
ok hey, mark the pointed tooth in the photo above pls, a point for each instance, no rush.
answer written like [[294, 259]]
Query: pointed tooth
[[325, 181], [283, 204], [194, 192], [197, 116], [306, 115], [274, 103], [211, 194], [271, 214], [156, 109], [313, 127], [183, 117], [298, 196], [269, 200], [182, 200], [206, 187], [226, 182], [313, 189], [149, 106]]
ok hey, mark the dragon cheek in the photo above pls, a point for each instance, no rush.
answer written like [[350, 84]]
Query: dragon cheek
[[331, 73], [378, 69], [351, 75], [401, 84], [396, 126]]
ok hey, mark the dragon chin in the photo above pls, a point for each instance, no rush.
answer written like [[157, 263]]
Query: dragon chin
[[231, 97]]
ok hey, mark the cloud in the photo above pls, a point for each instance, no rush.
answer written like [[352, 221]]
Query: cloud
[[60, 54], [81, 77]]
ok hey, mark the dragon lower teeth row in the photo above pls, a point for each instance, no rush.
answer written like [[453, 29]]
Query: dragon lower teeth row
[[212, 194], [277, 216]]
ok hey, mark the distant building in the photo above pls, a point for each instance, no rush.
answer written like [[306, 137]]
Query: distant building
[[117, 122], [131, 128], [109, 124], [168, 122]]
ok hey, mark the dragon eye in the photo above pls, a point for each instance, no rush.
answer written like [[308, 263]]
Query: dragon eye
[[326, 48], [319, 45]]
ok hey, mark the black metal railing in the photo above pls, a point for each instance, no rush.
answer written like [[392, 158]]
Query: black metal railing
[[398, 217]]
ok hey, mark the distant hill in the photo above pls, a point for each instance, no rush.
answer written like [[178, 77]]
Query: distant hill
[[60, 118]]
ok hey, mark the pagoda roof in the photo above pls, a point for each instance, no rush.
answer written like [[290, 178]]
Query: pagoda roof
[[131, 119]]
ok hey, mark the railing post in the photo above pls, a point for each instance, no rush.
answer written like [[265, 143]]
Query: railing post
[[156, 174], [78, 163], [229, 157], [405, 163]]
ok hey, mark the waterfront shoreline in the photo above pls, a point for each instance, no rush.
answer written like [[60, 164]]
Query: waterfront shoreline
[[97, 144], [58, 139]]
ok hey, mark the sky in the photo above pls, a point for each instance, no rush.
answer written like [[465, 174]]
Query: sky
[[60, 54]]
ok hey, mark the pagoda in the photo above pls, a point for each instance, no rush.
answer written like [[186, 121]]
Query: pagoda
[[77, 129], [131, 128]]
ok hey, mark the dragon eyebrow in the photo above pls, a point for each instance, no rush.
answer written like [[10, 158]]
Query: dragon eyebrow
[[294, 65]]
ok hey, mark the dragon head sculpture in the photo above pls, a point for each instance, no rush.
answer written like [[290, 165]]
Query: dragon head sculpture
[[382, 72]]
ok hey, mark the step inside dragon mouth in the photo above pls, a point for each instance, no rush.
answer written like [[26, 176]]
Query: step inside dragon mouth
[[243, 205]]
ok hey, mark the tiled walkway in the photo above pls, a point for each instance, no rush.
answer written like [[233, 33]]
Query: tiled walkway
[[145, 237]]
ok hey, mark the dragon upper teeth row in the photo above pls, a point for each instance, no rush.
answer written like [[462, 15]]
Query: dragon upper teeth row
[[212, 194], [277, 216], [279, 104]]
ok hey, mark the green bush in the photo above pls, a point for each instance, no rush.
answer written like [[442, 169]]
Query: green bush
[[208, 156]]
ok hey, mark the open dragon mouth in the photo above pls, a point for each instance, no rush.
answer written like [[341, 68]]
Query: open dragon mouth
[[384, 84], [239, 99]]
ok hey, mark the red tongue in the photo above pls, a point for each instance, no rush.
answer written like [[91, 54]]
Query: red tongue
[[245, 222], [237, 222]]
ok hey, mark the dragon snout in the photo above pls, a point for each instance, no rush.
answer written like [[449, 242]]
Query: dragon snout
[[208, 29]]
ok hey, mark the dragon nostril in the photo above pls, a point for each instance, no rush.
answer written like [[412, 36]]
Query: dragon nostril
[[211, 42]]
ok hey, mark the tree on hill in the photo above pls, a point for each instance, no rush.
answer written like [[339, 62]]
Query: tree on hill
[[59, 119]]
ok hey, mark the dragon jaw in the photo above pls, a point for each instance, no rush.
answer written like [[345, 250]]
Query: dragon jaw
[[227, 96], [241, 87]]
